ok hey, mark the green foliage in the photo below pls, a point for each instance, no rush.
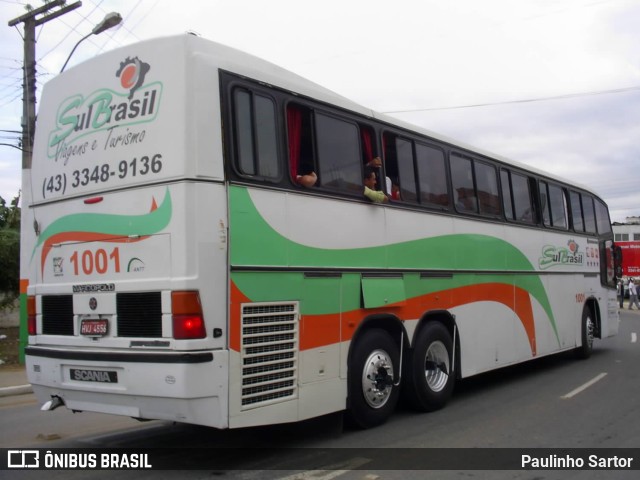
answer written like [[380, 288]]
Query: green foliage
[[9, 251], [10, 216]]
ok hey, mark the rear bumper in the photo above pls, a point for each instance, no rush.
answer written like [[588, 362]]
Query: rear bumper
[[187, 387]]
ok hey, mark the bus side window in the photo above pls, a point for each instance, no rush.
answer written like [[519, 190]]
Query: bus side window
[[554, 205], [400, 167], [603, 221], [576, 211], [487, 189], [302, 168], [516, 197], [463, 188], [339, 157], [432, 176], [544, 204], [589, 214], [256, 142]]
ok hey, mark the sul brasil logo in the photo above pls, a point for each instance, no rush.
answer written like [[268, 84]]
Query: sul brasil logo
[[78, 115], [557, 256]]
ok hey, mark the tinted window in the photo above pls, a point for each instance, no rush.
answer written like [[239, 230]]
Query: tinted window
[[487, 186], [558, 207], [576, 211], [554, 205], [339, 155], [602, 218], [462, 180], [589, 214], [256, 135], [517, 197], [406, 170], [432, 176], [244, 133], [523, 208], [506, 194]]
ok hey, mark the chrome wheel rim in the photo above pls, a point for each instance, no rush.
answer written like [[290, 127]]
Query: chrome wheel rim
[[590, 332], [436, 366], [377, 379]]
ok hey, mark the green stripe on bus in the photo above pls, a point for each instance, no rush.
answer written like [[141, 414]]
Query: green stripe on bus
[[255, 243]]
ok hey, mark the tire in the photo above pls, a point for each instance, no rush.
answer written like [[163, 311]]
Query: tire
[[587, 334], [373, 370], [430, 378]]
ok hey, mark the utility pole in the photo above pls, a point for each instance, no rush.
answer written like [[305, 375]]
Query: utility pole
[[31, 20]]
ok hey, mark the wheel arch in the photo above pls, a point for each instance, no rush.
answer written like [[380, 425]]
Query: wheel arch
[[384, 321], [447, 319]]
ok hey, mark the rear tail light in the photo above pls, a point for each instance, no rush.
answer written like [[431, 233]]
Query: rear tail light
[[31, 315], [188, 321]]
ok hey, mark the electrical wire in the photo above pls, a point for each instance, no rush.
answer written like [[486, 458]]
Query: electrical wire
[[525, 100]]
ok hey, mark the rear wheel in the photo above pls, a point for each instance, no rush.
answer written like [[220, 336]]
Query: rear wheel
[[431, 378], [372, 373]]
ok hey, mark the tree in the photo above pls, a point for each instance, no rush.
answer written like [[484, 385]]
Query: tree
[[9, 251]]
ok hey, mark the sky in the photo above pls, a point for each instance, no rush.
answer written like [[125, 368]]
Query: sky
[[554, 84]]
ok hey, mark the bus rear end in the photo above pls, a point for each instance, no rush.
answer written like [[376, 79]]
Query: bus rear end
[[124, 238]]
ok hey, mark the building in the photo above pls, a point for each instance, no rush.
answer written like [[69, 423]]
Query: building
[[627, 237]]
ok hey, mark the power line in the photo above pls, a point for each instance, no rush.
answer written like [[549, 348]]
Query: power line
[[526, 100]]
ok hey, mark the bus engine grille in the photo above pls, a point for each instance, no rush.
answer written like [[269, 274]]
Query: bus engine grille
[[269, 353]]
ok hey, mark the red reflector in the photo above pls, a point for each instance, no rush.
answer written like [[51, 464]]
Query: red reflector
[[31, 315], [91, 201], [31, 325], [187, 327]]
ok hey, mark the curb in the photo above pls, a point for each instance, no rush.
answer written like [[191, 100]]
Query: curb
[[19, 390]]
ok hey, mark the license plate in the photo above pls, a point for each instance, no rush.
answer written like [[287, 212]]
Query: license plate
[[102, 376], [94, 328]]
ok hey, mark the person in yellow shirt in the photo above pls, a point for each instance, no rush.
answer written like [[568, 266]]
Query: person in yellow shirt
[[370, 180]]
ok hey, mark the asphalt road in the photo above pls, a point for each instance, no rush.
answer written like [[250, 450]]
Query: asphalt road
[[554, 402]]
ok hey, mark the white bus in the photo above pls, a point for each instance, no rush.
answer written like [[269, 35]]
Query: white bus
[[198, 248]]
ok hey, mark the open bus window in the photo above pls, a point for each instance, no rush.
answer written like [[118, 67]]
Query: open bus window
[[324, 146], [302, 167], [400, 170]]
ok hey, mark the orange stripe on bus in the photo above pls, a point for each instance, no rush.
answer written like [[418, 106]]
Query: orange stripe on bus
[[322, 330]]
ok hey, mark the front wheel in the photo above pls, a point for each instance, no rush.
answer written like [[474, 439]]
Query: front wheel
[[373, 394], [431, 379], [588, 333]]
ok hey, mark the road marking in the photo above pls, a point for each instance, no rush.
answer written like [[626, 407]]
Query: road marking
[[634, 337], [584, 387], [332, 471]]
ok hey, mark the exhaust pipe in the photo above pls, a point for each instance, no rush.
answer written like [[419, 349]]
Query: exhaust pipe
[[52, 404]]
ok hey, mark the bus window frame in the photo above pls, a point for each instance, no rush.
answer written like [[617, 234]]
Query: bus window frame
[[551, 223], [318, 161], [234, 159]]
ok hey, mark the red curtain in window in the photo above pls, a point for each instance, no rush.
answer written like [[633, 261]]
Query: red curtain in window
[[367, 144], [294, 123]]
